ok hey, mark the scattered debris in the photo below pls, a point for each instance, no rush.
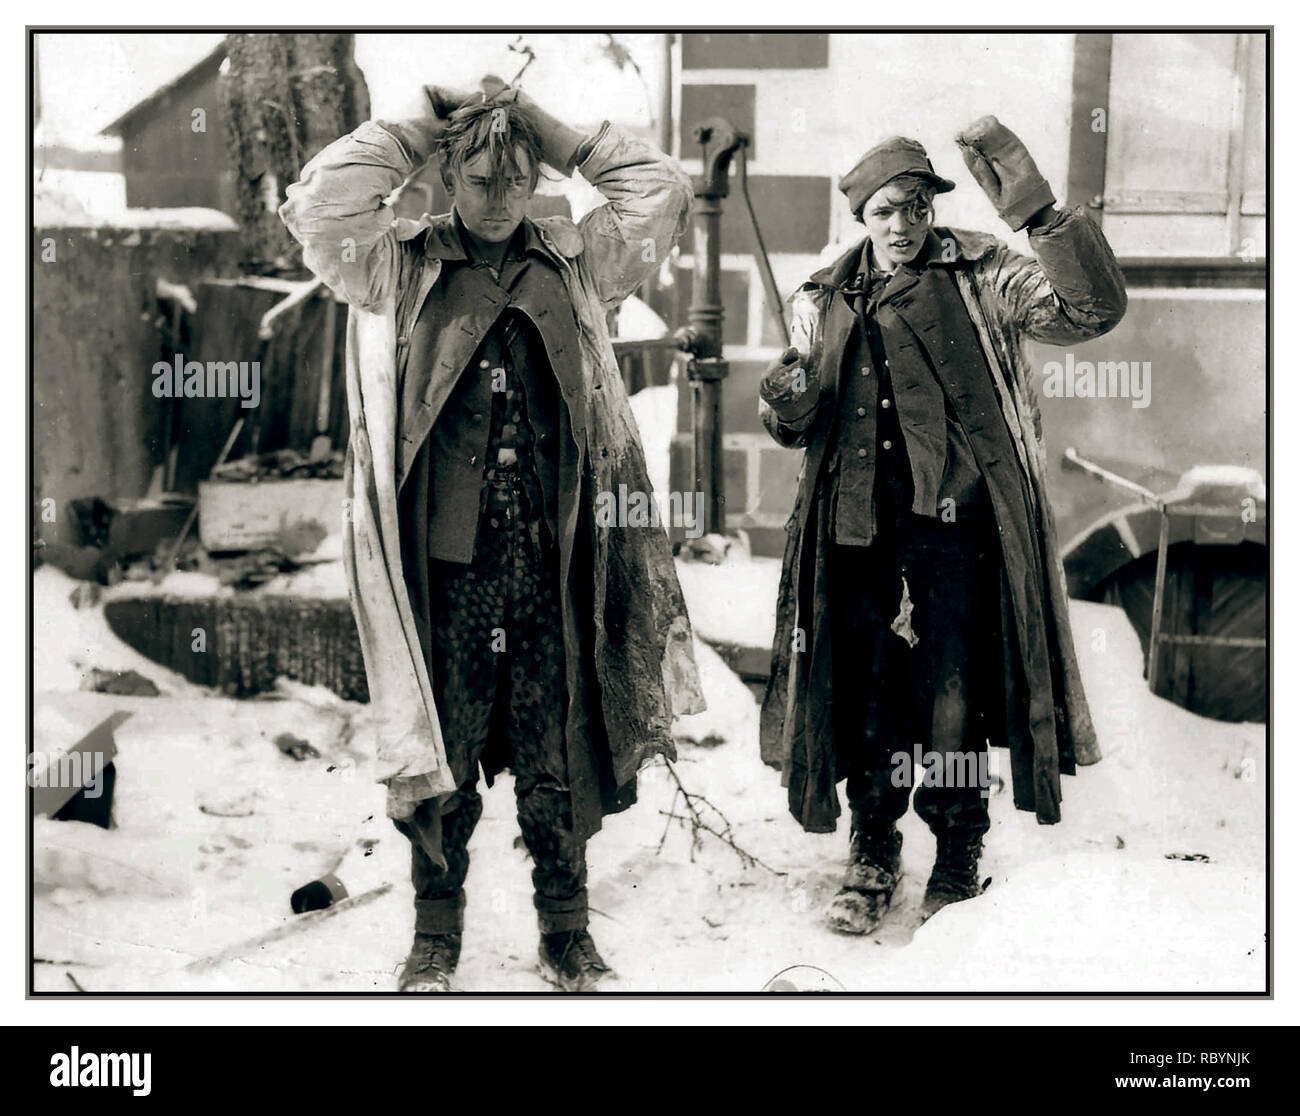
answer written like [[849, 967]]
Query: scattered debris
[[85, 563], [251, 569], [710, 549], [223, 802], [1119, 841], [295, 747], [1199, 858], [124, 683], [299, 924], [281, 463], [696, 820]]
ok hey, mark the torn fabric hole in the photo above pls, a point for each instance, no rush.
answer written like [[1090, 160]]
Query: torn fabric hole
[[902, 625]]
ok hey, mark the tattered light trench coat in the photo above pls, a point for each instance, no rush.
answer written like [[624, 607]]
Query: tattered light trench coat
[[1069, 291], [642, 669]]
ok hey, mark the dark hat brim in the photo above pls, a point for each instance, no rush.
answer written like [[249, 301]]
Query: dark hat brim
[[941, 185]]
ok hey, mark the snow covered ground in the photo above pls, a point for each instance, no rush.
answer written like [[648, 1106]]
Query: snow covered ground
[[216, 826]]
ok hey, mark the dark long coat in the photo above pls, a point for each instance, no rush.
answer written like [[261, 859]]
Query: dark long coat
[[1071, 290]]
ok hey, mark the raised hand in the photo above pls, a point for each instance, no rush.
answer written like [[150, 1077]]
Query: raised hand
[[1005, 171]]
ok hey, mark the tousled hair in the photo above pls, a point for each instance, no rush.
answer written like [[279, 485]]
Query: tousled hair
[[915, 189], [499, 129]]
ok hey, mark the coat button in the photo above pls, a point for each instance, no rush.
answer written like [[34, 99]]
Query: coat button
[[886, 444], [863, 453], [862, 411], [485, 364], [476, 418], [866, 371], [885, 403]]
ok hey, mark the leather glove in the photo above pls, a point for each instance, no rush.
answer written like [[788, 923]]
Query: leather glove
[[1005, 170], [788, 388], [560, 143]]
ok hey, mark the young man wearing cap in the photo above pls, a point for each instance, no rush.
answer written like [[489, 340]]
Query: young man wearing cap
[[922, 610], [501, 628]]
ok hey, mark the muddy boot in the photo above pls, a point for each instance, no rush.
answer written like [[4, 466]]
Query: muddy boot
[[568, 960], [430, 964], [956, 870], [875, 852]]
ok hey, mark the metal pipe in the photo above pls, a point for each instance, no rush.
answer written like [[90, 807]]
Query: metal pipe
[[1158, 605], [772, 295], [719, 141], [708, 372], [1072, 460]]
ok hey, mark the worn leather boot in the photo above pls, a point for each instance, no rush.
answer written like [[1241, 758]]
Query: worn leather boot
[[430, 964], [568, 960], [874, 869], [956, 869]]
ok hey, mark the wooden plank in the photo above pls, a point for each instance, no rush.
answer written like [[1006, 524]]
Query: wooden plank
[[300, 924], [293, 515], [1086, 171], [82, 736]]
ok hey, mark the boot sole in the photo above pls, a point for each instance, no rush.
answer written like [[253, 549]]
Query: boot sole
[[932, 905], [853, 929], [423, 986], [553, 977], [846, 924]]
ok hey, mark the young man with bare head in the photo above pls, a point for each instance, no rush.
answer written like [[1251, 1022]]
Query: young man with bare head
[[488, 413]]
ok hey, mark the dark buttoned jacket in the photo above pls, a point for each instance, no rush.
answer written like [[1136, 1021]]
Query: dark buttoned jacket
[[479, 331], [897, 425]]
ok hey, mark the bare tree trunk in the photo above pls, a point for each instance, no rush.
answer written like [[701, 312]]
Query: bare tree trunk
[[285, 97]]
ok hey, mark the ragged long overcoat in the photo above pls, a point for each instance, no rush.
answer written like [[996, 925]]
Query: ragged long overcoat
[[1070, 290], [628, 644]]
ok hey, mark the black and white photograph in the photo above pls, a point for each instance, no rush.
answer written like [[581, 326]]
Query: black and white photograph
[[673, 511]]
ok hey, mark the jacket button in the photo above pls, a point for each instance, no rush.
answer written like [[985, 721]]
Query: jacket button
[[885, 404], [476, 418], [862, 411], [863, 453], [866, 371], [403, 339], [886, 444], [485, 364]]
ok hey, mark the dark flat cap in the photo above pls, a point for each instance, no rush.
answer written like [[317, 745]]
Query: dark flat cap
[[896, 155]]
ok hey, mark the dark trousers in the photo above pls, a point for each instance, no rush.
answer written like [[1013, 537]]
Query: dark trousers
[[889, 696], [498, 676]]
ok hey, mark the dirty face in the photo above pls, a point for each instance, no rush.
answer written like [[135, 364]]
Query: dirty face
[[492, 209], [897, 217]]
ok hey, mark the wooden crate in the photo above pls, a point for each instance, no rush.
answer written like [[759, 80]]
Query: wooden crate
[[289, 514]]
